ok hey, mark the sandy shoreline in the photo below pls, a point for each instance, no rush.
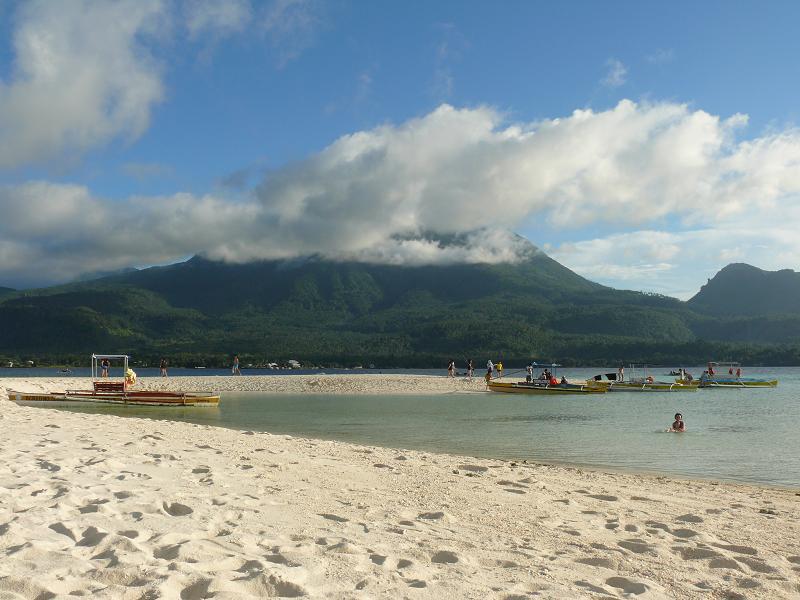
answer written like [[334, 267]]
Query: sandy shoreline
[[134, 508], [278, 384]]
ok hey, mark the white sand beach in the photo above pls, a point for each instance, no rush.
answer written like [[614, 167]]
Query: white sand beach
[[134, 508], [278, 384]]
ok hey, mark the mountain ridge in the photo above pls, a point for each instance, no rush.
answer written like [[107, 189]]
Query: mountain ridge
[[328, 311], [740, 289]]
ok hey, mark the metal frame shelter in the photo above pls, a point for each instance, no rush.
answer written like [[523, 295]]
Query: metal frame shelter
[[97, 358]]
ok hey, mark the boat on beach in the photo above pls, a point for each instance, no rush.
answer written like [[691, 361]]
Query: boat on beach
[[729, 375], [106, 390]]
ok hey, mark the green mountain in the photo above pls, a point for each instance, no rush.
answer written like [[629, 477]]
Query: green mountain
[[202, 311], [744, 290], [4, 291]]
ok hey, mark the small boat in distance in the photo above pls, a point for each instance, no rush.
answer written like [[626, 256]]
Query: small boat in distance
[[729, 375]]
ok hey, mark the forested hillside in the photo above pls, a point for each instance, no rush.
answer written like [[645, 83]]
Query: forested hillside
[[201, 311]]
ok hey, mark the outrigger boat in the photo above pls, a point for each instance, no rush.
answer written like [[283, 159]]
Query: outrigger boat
[[543, 385], [108, 391], [640, 383], [729, 375]]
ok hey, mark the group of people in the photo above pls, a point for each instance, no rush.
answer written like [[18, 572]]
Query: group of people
[[491, 369], [164, 365], [545, 375]]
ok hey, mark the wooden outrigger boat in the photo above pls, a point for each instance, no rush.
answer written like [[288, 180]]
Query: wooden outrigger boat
[[729, 375], [543, 386], [641, 383], [107, 391]]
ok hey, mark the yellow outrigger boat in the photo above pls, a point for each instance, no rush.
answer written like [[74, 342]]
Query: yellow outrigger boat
[[729, 375], [543, 386], [641, 383]]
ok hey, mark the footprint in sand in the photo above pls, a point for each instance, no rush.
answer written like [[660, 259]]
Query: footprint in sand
[[169, 552], [444, 557], [431, 516], [597, 561], [377, 559], [404, 563], [724, 563], [737, 549], [63, 530], [473, 468], [589, 586], [604, 497], [280, 559], [514, 484], [757, 565], [696, 553], [131, 534], [48, 466], [332, 517], [176, 509], [91, 537], [198, 589], [636, 546], [627, 586], [689, 518]]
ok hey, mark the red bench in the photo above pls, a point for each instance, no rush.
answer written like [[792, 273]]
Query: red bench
[[109, 386]]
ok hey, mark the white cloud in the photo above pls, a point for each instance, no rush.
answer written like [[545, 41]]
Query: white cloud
[[376, 194], [81, 77], [616, 74], [660, 56], [215, 17], [678, 263], [292, 26]]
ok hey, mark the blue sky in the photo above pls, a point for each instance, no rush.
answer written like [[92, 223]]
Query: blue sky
[[221, 103]]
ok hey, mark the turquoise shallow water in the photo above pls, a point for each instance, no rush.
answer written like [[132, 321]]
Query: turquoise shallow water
[[742, 435]]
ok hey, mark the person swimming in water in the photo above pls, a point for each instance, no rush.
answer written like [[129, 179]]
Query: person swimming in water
[[678, 425]]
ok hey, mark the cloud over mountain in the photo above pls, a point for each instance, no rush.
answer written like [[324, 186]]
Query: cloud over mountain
[[373, 195]]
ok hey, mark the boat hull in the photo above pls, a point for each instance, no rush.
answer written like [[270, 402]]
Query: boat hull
[[528, 388], [739, 383], [650, 387], [127, 398]]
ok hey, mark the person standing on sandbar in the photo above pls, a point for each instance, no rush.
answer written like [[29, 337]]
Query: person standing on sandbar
[[235, 368]]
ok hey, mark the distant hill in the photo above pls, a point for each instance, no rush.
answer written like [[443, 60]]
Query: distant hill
[[4, 291], [744, 290], [201, 312]]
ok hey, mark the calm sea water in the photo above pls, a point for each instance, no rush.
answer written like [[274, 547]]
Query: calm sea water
[[742, 435]]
